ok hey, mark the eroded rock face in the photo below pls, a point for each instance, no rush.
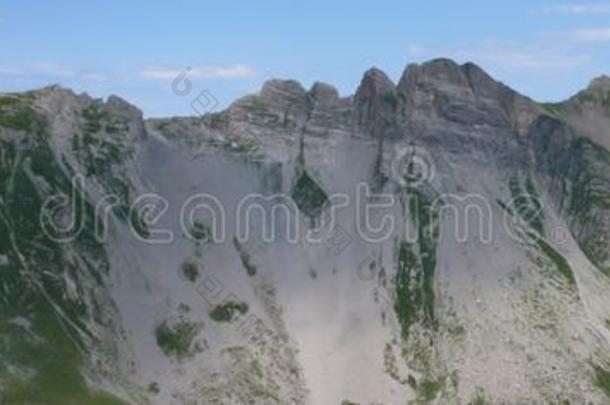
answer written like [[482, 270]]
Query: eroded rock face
[[578, 172], [330, 113], [573, 145], [56, 296], [441, 93], [376, 104], [324, 94], [365, 320], [588, 112]]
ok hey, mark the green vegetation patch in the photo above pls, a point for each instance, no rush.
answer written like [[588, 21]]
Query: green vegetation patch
[[527, 203], [102, 148], [553, 109], [201, 232], [428, 389], [588, 195], [379, 178], [390, 98], [177, 340], [408, 299], [10, 101], [56, 364], [190, 271], [34, 286], [416, 266], [154, 387], [93, 117], [244, 256], [602, 379], [16, 112], [479, 398], [426, 218], [309, 196], [253, 103], [228, 311], [559, 262]]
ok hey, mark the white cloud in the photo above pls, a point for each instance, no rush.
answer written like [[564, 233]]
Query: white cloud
[[201, 72], [52, 71], [93, 76], [518, 56], [415, 50], [579, 9], [513, 56], [11, 72], [590, 35]]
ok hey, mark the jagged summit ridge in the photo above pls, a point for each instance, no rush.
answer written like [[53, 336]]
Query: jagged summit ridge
[[427, 97], [66, 93], [602, 83]]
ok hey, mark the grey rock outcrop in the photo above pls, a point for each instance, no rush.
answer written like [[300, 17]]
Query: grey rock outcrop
[[376, 104], [588, 112], [578, 174], [441, 92]]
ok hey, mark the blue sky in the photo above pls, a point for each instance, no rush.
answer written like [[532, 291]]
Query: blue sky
[[546, 49]]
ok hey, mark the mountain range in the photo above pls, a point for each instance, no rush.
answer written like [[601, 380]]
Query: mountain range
[[443, 239]]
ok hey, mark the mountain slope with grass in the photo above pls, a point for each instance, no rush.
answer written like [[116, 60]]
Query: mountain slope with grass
[[442, 239]]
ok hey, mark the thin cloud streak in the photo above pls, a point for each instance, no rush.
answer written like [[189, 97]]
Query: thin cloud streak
[[53, 69], [524, 57], [590, 35], [11, 72], [579, 9], [512, 56], [201, 72], [93, 76]]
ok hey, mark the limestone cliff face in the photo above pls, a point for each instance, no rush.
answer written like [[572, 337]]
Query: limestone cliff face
[[520, 315], [588, 112], [376, 104], [441, 93], [57, 313], [577, 171], [571, 142]]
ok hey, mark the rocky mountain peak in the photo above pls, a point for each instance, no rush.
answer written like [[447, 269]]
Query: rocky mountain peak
[[442, 92], [440, 73], [285, 97], [596, 95], [324, 93], [62, 94], [375, 102], [54, 89], [588, 112], [279, 91], [436, 94], [55, 96], [600, 83], [122, 108], [374, 83], [435, 72]]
